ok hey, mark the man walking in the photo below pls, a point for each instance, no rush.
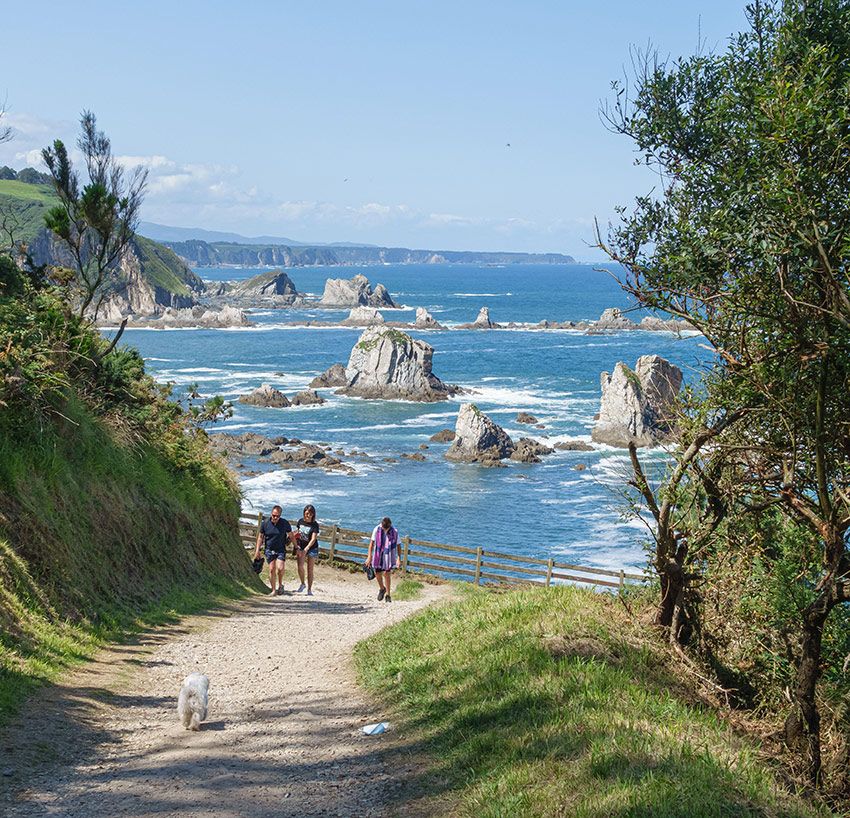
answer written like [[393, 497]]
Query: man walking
[[275, 533]]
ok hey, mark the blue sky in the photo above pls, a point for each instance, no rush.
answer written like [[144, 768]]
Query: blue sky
[[368, 121]]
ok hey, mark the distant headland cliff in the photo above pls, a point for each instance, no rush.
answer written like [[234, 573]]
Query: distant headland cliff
[[198, 253]]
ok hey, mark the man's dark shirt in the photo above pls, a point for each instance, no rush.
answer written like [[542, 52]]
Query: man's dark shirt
[[275, 534]]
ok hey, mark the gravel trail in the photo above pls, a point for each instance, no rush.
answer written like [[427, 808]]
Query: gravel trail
[[282, 736]]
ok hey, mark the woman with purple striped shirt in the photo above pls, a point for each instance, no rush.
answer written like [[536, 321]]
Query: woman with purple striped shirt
[[383, 556]]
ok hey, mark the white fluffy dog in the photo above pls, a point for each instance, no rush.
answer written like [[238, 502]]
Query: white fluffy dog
[[192, 701]]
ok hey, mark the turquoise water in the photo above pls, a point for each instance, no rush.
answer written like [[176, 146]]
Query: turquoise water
[[546, 509]]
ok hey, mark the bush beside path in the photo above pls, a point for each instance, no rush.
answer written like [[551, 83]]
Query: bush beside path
[[282, 736]]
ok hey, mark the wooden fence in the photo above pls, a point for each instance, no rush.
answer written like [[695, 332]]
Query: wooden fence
[[478, 565]]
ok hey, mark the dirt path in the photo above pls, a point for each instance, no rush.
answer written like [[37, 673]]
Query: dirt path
[[282, 736]]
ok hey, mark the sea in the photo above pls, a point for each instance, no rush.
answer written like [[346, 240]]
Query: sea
[[573, 506]]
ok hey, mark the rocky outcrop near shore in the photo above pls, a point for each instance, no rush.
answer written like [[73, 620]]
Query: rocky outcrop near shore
[[282, 452], [190, 317], [387, 363], [274, 288], [332, 376], [478, 439], [355, 292], [637, 406]]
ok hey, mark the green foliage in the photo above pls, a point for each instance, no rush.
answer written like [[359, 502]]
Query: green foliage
[[111, 504], [559, 705]]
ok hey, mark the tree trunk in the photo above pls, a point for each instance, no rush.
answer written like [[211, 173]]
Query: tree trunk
[[802, 727]]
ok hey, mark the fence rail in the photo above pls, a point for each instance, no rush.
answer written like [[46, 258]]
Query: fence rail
[[479, 565]]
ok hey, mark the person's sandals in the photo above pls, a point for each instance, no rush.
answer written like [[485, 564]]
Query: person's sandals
[[388, 598], [301, 588], [381, 594], [280, 590], [310, 593]]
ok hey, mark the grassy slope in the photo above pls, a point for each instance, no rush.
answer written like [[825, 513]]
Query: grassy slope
[[97, 538], [163, 268], [27, 205], [552, 702]]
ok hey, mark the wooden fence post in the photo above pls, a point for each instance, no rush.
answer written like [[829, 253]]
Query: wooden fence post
[[622, 581], [550, 565], [259, 521], [479, 552], [334, 536], [404, 553]]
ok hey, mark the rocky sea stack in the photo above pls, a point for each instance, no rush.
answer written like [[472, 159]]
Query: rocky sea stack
[[387, 363], [637, 405], [355, 292], [478, 439]]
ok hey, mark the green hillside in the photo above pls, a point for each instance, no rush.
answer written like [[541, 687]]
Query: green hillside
[[113, 512], [23, 206]]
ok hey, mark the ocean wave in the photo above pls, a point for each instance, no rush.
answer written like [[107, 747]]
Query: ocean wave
[[479, 295]]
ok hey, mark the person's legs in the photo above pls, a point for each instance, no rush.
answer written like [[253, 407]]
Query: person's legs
[[388, 581], [281, 564], [379, 575], [310, 563], [300, 558]]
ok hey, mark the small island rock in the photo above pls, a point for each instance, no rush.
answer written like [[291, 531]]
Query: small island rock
[[266, 395], [637, 406], [524, 417], [478, 439], [355, 292], [307, 397], [387, 363], [363, 317], [443, 436], [333, 376]]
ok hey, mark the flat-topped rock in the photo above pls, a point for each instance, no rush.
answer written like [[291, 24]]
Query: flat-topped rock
[[196, 316], [443, 436], [266, 395], [332, 376], [355, 292], [637, 406], [363, 317], [387, 363], [478, 439]]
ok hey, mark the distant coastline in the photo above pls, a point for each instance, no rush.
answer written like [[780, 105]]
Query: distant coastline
[[199, 253]]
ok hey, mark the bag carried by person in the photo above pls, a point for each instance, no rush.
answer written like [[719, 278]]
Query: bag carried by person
[[370, 571], [257, 565]]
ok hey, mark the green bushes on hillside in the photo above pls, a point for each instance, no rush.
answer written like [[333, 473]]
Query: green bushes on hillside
[[111, 506]]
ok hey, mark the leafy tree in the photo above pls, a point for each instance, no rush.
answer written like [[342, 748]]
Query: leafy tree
[[97, 221], [748, 237]]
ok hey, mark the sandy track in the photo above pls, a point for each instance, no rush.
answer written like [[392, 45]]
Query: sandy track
[[282, 736]]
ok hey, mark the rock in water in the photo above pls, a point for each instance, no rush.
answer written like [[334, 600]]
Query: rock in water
[[266, 395], [363, 317], [637, 406], [308, 397], [355, 292], [483, 319], [274, 286], [524, 417], [612, 318], [424, 319], [387, 363], [333, 376], [478, 439], [443, 436], [529, 451]]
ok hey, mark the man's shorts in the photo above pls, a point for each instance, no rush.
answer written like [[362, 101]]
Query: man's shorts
[[275, 555]]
